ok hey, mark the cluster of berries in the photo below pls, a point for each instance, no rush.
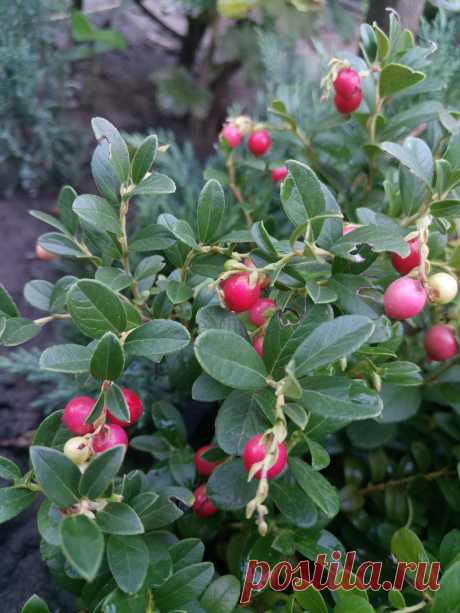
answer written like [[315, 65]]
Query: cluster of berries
[[259, 142], [253, 453], [348, 92], [406, 297], [91, 439], [242, 292]]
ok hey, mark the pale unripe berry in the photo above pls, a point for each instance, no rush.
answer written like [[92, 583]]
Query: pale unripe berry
[[135, 409], [43, 254], [109, 436], [443, 287], [77, 449], [404, 298], [440, 342], [254, 451], [75, 413]]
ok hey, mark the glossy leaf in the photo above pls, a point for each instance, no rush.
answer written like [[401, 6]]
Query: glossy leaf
[[210, 211], [108, 360], [128, 559], [82, 544], [95, 309], [57, 475], [101, 471], [238, 366]]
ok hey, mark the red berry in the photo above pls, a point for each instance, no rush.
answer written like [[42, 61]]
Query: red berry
[[280, 173], [440, 342], [43, 254], [232, 135], [254, 451], [258, 344], [204, 467], [135, 409], [75, 413], [109, 436], [404, 298], [259, 142], [202, 506], [239, 296], [347, 83], [405, 265], [258, 312], [348, 105]]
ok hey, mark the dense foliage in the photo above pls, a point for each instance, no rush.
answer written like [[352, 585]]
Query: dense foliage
[[39, 145], [310, 302]]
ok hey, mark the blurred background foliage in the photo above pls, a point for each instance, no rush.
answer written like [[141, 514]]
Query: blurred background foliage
[[198, 57]]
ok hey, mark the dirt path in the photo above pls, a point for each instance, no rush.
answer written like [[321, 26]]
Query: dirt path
[[23, 571]]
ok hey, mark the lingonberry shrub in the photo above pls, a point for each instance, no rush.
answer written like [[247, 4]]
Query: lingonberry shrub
[[335, 433]]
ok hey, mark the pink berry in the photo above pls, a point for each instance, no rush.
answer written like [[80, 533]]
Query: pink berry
[[204, 467], [135, 409], [440, 342], [348, 105], [404, 298], [232, 135], [239, 295], [347, 83], [109, 436], [280, 173], [262, 310], [405, 265], [258, 344], [259, 142], [202, 506], [43, 254], [254, 451], [349, 227], [75, 413]]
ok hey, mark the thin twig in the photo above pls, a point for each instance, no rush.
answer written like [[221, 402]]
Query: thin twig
[[380, 487], [158, 21]]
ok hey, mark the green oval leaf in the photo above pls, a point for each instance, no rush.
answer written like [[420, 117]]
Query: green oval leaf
[[157, 338], [57, 475], [108, 359], [119, 518], [101, 471], [230, 359], [397, 77], [128, 558], [66, 358], [82, 544], [210, 211], [95, 309], [332, 341], [144, 158], [13, 500]]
